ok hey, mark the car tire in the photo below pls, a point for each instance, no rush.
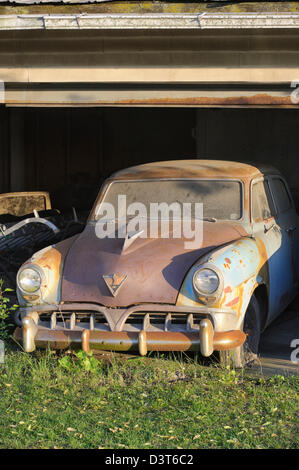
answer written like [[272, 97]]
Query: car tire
[[246, 354], [17, 319]]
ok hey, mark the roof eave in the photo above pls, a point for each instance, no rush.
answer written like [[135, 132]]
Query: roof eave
[[151, 21]]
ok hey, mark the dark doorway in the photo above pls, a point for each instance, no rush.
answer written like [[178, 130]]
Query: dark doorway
[[69, 151]]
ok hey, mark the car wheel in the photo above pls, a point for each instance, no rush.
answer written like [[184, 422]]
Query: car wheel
[[247, 353]]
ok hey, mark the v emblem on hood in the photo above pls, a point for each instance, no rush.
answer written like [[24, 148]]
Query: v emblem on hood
[[130, 239], [114, 282]]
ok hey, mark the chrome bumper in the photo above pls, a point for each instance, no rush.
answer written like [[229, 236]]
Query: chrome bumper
[[160, 328]]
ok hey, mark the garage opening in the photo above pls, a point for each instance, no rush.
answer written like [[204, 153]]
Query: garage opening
[[70, 151]]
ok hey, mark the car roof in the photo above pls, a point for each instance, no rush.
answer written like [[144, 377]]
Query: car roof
[[194, 169]]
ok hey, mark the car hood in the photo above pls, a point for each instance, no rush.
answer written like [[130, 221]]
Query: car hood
[[155, 268]]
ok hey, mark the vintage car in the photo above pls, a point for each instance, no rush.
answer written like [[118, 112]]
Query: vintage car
[[128, 292]]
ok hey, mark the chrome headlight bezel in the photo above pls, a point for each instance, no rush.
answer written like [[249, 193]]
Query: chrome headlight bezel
[[38, 271], [218, 291]]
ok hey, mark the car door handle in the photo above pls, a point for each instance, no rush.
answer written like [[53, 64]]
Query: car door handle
[[290, 229]]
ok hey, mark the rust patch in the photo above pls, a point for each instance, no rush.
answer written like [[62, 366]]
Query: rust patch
[[228, 290], [50, 259], [263, 254], [259, 99], [233, 302], [228, 260]]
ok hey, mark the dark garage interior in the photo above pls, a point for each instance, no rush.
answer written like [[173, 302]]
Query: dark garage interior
[[69, 151]]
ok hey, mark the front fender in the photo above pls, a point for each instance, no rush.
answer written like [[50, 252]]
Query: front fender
[[50, 260], [243, 266]]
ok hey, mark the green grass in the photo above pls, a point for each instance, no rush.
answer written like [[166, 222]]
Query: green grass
[[141, 403]]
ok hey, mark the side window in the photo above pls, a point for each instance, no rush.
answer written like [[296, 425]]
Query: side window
[[262, 203], [281, 195]]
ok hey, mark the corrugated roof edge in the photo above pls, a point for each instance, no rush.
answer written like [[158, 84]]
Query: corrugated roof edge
[[151, 21]]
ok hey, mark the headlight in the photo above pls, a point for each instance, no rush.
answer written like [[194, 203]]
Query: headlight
[[29, 280], [206, 281]]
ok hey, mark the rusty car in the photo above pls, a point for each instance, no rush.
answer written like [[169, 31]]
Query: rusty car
[[135, 293]]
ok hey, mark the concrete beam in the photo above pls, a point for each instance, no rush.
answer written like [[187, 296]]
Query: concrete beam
[[146, 74], [155, 96], [151, 21]]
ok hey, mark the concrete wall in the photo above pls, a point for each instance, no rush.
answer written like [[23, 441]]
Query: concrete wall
[[145, 56]]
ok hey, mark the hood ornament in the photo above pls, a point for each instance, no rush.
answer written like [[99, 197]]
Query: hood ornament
[[130, 238], [114, 282]]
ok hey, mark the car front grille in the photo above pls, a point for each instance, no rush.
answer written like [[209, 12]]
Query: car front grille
[[135, 321]]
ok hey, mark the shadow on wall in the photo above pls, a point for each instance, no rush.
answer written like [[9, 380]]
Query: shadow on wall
[[80, 192]]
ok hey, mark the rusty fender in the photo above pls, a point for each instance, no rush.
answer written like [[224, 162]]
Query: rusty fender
[[50, 260], [242, 266]]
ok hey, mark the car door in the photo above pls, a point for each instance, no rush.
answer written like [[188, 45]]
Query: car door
[[266, 227], [287, 219]]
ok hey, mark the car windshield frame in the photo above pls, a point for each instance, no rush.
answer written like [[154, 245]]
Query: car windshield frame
[[108, 183]]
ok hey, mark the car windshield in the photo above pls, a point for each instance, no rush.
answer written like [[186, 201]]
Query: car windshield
[[221, 199]]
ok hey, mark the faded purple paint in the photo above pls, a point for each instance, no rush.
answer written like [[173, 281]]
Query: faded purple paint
[[155, 268]]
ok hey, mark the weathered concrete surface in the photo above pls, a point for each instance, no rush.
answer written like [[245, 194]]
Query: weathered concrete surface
[[275, 347], [276, 339], [274, 366]]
